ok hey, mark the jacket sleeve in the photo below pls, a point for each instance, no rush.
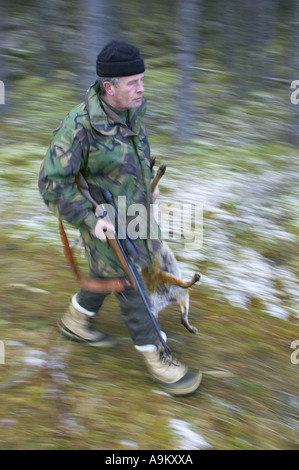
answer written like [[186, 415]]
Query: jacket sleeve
[[64, 159]]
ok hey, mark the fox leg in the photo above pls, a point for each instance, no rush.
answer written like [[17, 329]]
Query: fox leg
[[170, 280], [184, 316]]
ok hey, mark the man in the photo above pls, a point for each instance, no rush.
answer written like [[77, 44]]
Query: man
[[104, 138]]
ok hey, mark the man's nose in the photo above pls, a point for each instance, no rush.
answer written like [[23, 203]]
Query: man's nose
[[140, 87]]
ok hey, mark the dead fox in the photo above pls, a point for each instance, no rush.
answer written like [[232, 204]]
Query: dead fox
[[165, 286]]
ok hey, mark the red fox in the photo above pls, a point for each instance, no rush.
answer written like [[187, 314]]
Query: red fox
[[163, 279], [165, 286]]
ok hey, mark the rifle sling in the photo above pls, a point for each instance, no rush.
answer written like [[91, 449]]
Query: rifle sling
[[92, 285]]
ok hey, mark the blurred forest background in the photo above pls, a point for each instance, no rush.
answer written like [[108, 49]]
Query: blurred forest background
[[206, 54]]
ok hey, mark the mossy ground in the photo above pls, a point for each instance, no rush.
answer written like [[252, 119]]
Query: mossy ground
[[57, 394]]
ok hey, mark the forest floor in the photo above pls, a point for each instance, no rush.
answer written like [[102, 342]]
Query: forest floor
[[57, 394]]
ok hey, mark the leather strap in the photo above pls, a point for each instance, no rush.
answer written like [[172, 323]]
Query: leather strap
[[93, 285]]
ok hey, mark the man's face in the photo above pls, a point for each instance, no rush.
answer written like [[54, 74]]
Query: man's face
[[127, 94]]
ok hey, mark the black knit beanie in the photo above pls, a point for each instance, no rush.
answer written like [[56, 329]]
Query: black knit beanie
[[119, 59]]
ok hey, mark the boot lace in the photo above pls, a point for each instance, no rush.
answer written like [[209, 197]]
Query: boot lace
[[167, 359]]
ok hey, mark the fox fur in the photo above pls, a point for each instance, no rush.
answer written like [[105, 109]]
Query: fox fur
[[165, 286]]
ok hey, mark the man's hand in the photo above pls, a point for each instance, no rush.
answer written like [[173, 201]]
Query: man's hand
[[99, 231]]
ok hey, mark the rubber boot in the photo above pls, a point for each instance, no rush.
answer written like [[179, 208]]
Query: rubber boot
[[75, 325], [167, 371]]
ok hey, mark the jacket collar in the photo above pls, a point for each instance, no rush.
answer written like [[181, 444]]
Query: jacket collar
[[105, 121]]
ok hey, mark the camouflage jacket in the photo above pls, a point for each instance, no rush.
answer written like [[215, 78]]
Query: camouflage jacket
[[111, 155]]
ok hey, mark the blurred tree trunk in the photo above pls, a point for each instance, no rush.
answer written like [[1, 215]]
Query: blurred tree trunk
[[230, 34], [99, 24], [188, 18], [48, 12], [264, 33], [249, 27]]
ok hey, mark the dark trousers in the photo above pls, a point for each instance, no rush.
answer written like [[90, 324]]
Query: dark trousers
[[133, 311]]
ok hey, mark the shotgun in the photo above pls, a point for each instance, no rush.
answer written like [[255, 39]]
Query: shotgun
[[119, 249]]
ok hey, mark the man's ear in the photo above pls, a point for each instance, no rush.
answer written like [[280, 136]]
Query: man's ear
[[108, 88]]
